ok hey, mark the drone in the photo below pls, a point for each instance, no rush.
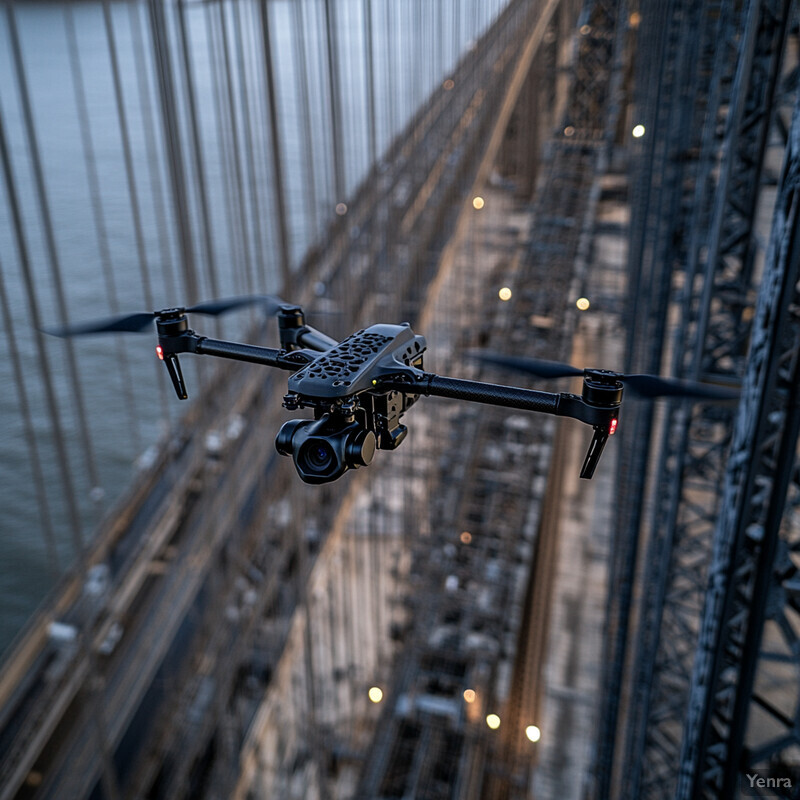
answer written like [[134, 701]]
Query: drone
[[360, 388]]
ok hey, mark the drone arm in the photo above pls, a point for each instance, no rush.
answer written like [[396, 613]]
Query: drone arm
[[266, 356], [478, 392], [563, 404], [312, 339], [601, 416], [169, 346]]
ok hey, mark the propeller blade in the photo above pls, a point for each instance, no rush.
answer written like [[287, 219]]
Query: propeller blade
[[130, 323], [135, 323], [641, 385], [653, 386], [539, 367], [213, 308]]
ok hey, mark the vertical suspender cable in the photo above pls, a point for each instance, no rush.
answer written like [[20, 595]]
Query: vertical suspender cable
[[174, 158], [277, 155], [224, 150], [379, 527], [456, 32], [373, 570], [301, 77], [370, 87], [406, 34], [432, 47], [336, 103], [227, 90], [53, 560], [391, 89], [128, 157], [145, 107], [197, 154], [418, 54], [51, 248], [323, 132], [99, 220], [166, 85], [457, 29], [261, 152], [65, 471], [340, 26], [438, 40], [260, 257]]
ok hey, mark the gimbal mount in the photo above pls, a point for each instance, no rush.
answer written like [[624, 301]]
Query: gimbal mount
[[360, 388]]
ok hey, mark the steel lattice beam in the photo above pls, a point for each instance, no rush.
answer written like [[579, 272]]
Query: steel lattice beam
[[754, 494], [672, 100], [711, 345], [768, 700]]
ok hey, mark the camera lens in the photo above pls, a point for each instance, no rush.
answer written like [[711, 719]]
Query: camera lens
[[324, 449], [319, 455]]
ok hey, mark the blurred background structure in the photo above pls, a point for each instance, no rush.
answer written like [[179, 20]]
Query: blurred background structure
[[608, 182]]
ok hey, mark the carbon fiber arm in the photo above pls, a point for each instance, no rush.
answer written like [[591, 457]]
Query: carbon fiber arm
[[563, 404]]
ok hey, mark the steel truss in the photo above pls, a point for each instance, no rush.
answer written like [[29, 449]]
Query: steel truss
[[747, 534], [709, 217], [672, 98], [712, 345]]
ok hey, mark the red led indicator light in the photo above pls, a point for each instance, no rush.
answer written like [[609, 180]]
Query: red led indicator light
[[612, 428], [160, 352]]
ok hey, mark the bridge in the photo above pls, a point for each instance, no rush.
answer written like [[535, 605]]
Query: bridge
[[465, 618]]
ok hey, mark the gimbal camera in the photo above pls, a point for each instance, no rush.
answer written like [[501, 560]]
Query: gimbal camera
[[360, 388]]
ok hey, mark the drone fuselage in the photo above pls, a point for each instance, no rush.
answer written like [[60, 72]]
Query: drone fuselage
[[360, 388], [353, 417]]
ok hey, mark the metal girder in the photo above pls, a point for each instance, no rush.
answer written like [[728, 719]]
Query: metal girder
[[753, 500], [711, 343], [768, 700], [678, 51]]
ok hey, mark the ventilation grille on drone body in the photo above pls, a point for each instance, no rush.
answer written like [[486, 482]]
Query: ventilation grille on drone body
[[346, 359]]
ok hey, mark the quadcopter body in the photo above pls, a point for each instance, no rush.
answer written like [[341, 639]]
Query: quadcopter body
[[353, 417], [360, 388]]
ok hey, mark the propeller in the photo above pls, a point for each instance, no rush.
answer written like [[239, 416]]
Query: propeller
[[642, 385], [136, 323]]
